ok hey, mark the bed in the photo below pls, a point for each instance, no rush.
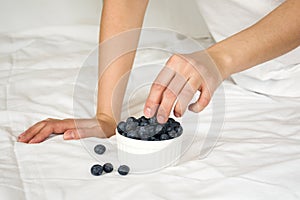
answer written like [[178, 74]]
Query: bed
[[254, 155]]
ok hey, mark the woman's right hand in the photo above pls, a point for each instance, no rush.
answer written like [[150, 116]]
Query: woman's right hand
[[70, 128]]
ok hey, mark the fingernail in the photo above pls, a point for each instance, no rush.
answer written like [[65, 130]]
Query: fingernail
[[161, 119], [148, 112], [31, 142], [20, 136], [177, 114], [194, 108], [69, 135]]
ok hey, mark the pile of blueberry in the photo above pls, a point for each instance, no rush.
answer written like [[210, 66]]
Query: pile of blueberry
[[149, 129], [97, 169]]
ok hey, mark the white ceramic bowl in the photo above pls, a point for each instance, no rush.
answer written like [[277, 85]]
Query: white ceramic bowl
[[148, 156]]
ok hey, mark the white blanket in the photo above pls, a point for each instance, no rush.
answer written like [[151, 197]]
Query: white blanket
[[256, 157]]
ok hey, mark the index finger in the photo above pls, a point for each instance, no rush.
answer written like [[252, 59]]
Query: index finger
[[158, 87]]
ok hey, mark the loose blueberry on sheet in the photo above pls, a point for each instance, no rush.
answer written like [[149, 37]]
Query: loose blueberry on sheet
[[123, 170], [97, 170], [99, 149], [108, 167]]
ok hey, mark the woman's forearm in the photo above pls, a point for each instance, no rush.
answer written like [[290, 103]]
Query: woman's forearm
[[274, 35], [119, 34]]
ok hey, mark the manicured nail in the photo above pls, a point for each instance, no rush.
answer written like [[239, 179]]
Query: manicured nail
[[69, 135], [161, 119]]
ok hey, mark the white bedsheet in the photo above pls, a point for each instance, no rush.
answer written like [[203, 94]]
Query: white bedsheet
[[256, 157]]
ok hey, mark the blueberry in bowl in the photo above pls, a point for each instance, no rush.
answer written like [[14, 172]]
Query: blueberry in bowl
[[146, 145], [149, 129]]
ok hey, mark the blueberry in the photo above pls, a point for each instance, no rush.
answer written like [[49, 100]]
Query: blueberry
[[131, 126], [144, 133], [171, 120], [175, 124], [169, 128], [131, 119], [143, 118], [108, 167], [153, 139], [99, 149], [143, 121], [179, 130], [151, 130], [152, 120], [96, 170], [164, 136], [172, 134], [121, 127], [141, 129], [145, 137], [133, 134], [124, 134], [158, 128], [123, 170]]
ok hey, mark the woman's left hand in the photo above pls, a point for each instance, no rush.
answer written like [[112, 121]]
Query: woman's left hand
[[72, 129]]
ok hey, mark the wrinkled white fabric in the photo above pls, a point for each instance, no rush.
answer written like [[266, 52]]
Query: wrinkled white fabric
[[278, 77], [256, 157]]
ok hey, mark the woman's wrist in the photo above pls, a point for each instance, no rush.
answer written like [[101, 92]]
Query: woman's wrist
[[107, 123], [222, 59]]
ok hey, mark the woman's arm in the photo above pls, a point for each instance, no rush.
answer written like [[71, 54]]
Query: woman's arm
[[120, 27], [118, 16], [274, 35]]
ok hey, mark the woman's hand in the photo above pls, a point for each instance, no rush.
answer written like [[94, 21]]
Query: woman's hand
[[70, 128], [179, 80]]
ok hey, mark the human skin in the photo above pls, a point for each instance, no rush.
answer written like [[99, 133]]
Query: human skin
[[274, 35]]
